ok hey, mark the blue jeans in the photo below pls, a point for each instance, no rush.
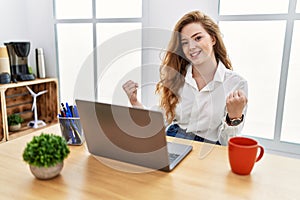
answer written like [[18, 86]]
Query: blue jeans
[[176, 131]]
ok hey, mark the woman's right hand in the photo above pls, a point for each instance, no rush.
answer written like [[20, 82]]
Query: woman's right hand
[[130, 88]]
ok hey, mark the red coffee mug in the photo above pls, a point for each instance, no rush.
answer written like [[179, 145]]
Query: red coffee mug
[[242, 153]]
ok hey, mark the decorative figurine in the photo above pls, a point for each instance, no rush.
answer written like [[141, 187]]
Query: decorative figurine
[[36, 123]]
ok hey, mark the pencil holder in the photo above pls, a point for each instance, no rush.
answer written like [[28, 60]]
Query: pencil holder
[[71, 130]]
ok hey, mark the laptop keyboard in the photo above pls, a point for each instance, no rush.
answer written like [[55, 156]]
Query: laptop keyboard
[[173, 156]]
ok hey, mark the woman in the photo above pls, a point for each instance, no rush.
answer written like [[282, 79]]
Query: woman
[[202, 98]]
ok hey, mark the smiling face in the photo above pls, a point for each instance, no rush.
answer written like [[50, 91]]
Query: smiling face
[[197, 44]]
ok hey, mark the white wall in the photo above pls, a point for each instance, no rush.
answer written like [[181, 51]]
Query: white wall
[[30, 20], [13, 14], [41, 32], [165, 13]]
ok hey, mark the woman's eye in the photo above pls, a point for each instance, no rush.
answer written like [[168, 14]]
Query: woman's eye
[[198, 38], [184, 43]]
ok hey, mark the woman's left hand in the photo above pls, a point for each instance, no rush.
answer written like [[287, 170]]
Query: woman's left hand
[[235, 103]]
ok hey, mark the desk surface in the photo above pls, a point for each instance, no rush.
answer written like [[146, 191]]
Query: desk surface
[[84, 177]]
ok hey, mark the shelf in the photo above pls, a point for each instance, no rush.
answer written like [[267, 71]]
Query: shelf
[[15, 98], [27, 130]]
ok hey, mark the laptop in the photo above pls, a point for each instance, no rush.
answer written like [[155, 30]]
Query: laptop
[[131, 135]]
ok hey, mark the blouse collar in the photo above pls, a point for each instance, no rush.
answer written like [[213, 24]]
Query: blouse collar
[[218, 77]]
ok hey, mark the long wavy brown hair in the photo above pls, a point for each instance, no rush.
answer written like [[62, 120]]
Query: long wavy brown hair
[[173, 66]]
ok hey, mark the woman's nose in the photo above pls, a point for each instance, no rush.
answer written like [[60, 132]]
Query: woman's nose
[[192, 44]]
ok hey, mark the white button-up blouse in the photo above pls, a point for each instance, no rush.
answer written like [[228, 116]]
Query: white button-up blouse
[[203, 112]]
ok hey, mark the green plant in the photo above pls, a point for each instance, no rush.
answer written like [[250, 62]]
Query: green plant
[[14, 119], [46, 150]]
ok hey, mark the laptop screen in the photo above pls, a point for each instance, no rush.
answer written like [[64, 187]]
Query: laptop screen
[[126, 134]]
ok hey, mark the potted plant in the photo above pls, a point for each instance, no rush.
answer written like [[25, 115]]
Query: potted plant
[[45, 155], [14, 122]]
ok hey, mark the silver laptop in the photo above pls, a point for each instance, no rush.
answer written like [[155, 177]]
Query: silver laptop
[[130, 135]]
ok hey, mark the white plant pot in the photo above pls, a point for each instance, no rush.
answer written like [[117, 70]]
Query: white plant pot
[[14, 127], [46, 172]]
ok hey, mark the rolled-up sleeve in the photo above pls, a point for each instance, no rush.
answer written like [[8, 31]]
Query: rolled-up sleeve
[[225, 131]]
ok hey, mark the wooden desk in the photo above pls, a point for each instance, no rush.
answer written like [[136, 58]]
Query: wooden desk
[[84, 177]]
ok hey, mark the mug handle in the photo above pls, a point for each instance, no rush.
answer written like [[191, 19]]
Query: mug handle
[[261, 153]]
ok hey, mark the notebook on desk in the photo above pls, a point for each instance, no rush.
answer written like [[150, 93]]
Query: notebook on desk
[[130, 135]]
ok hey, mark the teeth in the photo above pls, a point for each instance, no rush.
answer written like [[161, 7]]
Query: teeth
[[195, 53]]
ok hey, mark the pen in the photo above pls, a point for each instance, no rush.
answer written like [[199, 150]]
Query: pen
[[63, 114], [75, 111], [69, 113], [64, 109], [72, 111], [77, 115], [71, 133], [76, 132]]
